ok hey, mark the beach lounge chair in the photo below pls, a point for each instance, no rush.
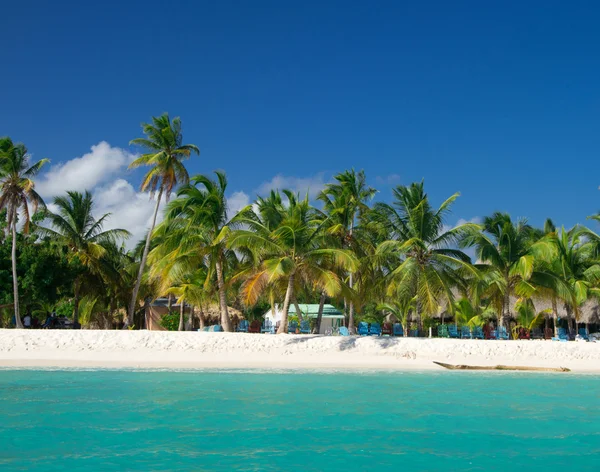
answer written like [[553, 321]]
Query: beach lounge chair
[[243, 326], [465, 332], [478, 332], [548, 333], [292, 327], [344, 331], [583, 333], [452, 331], [536, 333], [562, 335], [523, 333], [215, 329], [493, 334], [502, 334], [386, 329], [304, 327], [414, 333], [267, 327], [206, 329], [363, 328], [443, 331], [398, 330], [254, 327], [375, 329]]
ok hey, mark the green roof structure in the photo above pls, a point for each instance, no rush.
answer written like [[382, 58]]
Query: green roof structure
[[311, 310]]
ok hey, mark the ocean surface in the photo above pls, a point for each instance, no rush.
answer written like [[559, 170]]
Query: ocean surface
[[293, 421]]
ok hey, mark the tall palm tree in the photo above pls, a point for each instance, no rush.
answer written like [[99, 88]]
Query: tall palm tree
[[198, 222], [75, 228], [164, 143], [424, 263], [287, 246], [344, 202], [17, 192]]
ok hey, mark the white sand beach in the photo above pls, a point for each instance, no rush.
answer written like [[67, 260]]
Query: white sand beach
[[148, 349]]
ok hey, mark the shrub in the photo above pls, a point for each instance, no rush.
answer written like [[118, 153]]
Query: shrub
[[170, 321]]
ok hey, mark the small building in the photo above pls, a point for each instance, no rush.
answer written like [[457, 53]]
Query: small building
[[332, 317]]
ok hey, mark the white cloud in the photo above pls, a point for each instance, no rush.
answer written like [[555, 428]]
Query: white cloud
[[236, 202], [313, 185], [130, 209], [85, 172]]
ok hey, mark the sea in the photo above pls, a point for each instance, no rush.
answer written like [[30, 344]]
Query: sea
[[205, 420]]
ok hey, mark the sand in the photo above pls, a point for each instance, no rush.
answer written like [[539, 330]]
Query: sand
[[154, 349]]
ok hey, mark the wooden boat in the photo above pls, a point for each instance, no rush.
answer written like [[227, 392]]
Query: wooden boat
[[500, 367]]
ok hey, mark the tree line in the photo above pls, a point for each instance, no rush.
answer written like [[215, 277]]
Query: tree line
[[372, 258]]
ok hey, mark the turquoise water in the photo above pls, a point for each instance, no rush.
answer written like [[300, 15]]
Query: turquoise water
[[226, 420]]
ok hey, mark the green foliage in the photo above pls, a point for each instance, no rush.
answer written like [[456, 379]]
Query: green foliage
[[65, 308], [170, 321]]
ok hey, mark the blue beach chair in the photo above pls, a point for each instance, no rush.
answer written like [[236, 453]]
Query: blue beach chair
[[414, 333], [453, 331], [344, 331], [215, 329], [267, 327], [502, 333], [304, 327], [583, 333], [562, 335], [443, 331], [243, 326], [292, 327], [363, 328], [398, 330], [375, 329], [478, 332], [465, 332]]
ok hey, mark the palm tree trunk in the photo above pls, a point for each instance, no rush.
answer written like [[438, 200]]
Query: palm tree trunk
[[181, 305], [138, 282], [201, 316], [320, 313], [18, 322], [289, 293], [351, 304], [298, 311], [225, 321], [170, 303], [190, 323], [554, 316], [76, 301], [505, 307]]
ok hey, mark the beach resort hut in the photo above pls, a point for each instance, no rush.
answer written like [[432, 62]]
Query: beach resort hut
[[332, 317]]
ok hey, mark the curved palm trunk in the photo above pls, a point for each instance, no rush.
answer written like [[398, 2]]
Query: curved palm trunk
[[289, 293], [201, 316], [298, 311], [18, 322], [320, 313], [225, 321], [180, 328], [506, 306], [138, 282]]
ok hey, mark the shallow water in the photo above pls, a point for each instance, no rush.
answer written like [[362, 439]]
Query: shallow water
[[227, 420]]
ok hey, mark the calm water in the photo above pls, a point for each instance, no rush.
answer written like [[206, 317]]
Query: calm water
[[135, 420]]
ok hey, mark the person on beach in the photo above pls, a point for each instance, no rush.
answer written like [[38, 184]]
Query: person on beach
[[27, 321]]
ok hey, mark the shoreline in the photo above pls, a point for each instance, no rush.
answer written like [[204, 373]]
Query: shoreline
[[201, 350]]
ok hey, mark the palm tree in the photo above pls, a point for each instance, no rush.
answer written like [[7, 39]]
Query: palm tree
[[508, 249], [164, 143], [421, 260], [287, 246], [75, 228], [198, 222], [344, 202], [17, 192]]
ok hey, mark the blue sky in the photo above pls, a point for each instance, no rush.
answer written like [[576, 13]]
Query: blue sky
[[497, 100]]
